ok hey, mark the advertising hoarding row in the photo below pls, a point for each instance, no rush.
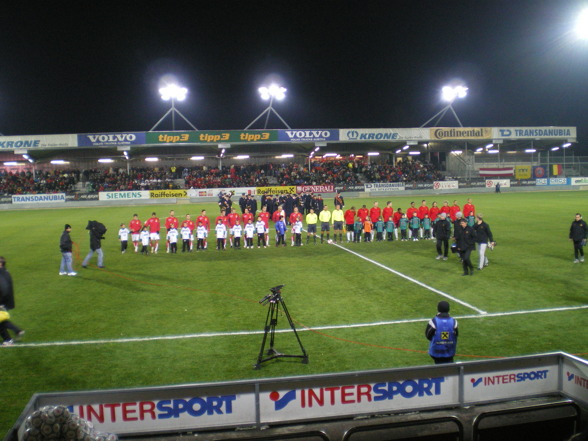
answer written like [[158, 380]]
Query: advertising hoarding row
[[265, 402], [207, 137]]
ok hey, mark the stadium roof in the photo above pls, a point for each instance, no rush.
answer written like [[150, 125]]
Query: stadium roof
[[270, 143]]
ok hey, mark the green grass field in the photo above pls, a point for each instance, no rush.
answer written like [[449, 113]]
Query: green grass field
[[109, 317]]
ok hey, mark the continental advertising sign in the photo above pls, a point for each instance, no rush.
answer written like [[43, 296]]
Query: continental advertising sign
[[522, 171], [168, 194], [461, 133], [291, 189], [212, 137]]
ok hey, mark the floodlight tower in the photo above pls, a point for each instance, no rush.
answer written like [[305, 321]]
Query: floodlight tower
[[173, 92], [449, 94], [270, 93]]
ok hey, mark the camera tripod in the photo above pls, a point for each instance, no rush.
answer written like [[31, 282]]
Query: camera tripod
[[274, 300]]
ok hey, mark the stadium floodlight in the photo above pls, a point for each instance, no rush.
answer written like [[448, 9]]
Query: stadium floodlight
[[405, 147], [398, 151], [330, 155], [566, 145], [582, 25], [479, 149], [286, 155], [489, 146], [271, 93], [197, 158], [449, 94], [151, 159], [373, 154], [106, 160], [414, 153], [555, 149], [493, 151], [457, 152], [173, 92], [242, 157], [530, 150], [59, 162], [11, 163]]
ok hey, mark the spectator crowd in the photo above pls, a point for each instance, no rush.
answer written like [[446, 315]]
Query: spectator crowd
[[318, 172]]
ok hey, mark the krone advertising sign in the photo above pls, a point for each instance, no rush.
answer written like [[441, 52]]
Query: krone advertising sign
[[37, 142]]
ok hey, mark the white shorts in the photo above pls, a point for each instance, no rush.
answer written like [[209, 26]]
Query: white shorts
[[154, 236], [135, 237]]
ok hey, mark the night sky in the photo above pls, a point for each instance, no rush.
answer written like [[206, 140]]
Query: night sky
[[346, 64]]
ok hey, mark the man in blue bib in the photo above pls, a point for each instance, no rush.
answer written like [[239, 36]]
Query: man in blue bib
[[442, 333]]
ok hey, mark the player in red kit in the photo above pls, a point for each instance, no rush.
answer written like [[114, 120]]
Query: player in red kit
[[453, 210], [388, 211], [349, 221], [154, 226], [265, 217], [206, 224], [135, 227], [469, 208], [191, 226], [171, 222], [363, 213], [295, 216], [233, 218], [375, 213]]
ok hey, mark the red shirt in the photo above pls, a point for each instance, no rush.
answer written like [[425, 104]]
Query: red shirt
[[224, 219], [396, 217], [453, 210], [433, 213], [375, 213], [349, 217], [469, 208], [410, 211], [189, 224], [363, 214], [445, 209], [423, 209], [295, 217], [135, 226], [153, 224], [247, 217], [205, 222], [276, 216], [233, 218], [265, 216], [387, 212], [171, 222]]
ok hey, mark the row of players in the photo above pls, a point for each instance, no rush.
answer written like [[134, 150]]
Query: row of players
[[229, 227]]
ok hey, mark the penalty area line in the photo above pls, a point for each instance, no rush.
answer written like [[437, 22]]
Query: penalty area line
[[410, 279], [301, 328]]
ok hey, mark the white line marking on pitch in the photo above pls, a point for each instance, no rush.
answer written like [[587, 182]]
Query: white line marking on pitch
[[299, 329], [430, 288]]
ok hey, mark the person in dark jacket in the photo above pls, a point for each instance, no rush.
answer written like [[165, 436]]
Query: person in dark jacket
[[442, 332], [65, 245], [7, 303], [484, 239], [578, 235], [442, 232], [466, 243], [96, 237]]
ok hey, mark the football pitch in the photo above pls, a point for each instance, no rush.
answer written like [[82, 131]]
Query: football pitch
[[195, 317]]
